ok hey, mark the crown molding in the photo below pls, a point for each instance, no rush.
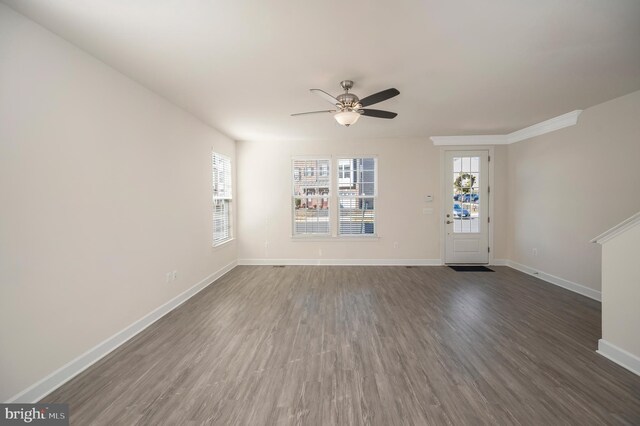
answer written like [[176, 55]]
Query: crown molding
[[471, 140], [553, 124], [547, 126], [618, 229]]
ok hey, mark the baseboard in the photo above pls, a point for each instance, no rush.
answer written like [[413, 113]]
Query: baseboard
[[561, 282], [42, 388], [345, 262], [618, 355], [499, 262]]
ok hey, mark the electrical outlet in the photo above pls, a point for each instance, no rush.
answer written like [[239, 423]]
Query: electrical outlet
[[174, 275], [396, 245], [534, 252]]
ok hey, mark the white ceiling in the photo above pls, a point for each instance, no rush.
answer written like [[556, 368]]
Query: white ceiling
[[462, 67]]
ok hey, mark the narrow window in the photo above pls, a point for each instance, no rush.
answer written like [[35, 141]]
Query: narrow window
[[221, 166], [311, 193], [357, 196]]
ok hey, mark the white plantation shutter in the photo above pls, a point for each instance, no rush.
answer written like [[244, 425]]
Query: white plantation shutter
[[221, 167]]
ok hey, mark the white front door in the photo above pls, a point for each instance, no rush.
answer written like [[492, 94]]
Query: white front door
[[466, 177]]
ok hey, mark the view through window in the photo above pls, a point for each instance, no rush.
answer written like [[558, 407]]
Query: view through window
[[311, 193], [221, 167], [466, 194], [355, 197]]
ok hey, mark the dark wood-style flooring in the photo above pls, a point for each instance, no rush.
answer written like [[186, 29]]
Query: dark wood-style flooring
[[342, 345]]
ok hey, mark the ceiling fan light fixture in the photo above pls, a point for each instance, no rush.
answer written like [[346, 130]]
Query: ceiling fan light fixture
[[346, 118], [349, 108]]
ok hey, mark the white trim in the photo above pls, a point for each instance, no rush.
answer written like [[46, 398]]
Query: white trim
[[337, 233], [547, 126], [618, 229], [444, 189], [356, 262], [222, 245], [561, 282], [471, 140], [223, 242], [618, 355], [217, 158], [300, 238], [345, 262], [492, 203], [443, 195], [317, 196], [45, 386]]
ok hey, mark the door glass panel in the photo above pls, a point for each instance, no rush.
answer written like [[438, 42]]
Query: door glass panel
[[466, 195]]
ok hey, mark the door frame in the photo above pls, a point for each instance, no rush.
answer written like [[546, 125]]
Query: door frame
[[444, 193]]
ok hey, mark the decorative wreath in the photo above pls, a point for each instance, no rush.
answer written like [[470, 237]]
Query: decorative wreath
[[468, 179]]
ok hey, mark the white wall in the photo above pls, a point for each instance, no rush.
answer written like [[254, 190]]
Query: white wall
[[621, 291], [570, 185], [408, 169], [104, 187]]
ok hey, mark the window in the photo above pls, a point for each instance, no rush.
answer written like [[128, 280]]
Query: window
[[344, 171], [311, 194], [357, 194], [221, 166]]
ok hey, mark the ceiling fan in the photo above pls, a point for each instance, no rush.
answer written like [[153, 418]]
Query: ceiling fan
[[350, 107]]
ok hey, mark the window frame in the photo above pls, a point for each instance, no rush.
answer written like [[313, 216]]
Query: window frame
[[226, 199], [352, 173], [333, 199], [313, 174]]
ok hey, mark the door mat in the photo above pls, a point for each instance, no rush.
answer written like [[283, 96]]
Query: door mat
[[470, 268]]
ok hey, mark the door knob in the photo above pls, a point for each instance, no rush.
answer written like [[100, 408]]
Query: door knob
[[449, 221]]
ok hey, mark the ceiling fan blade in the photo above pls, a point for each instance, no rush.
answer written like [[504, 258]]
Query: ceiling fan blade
[[378, 113], [379, 97], [312, 112], [324, 95]]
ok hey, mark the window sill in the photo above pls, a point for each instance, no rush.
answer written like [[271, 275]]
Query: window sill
[[332, 239], [224, 243]]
